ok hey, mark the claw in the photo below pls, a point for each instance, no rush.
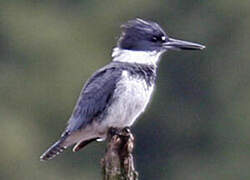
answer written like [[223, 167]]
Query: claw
[[127, 130]]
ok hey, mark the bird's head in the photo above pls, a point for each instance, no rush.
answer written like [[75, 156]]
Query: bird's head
[[140, 36]]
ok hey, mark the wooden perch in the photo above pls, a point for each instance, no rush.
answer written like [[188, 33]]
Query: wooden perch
[[118, 163]]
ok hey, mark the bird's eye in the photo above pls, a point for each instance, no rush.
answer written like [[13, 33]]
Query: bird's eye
[[159, 39]]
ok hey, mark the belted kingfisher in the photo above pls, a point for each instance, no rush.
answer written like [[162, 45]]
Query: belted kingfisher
[[118, 93]]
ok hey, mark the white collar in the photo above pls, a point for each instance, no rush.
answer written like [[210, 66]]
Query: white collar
[[140, 57]]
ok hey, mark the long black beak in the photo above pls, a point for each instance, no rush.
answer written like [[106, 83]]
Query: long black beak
[[175, 44]]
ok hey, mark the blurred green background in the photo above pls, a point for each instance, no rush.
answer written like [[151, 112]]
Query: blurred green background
[[197, 127]]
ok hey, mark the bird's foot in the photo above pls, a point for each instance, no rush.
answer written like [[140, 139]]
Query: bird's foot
[[124, 132], [127, 129], [113, 131], [122, 138]]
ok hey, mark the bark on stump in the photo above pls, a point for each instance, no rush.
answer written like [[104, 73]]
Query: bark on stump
[[118, 162]]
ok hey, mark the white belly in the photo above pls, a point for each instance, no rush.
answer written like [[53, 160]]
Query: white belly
[[130, 99]]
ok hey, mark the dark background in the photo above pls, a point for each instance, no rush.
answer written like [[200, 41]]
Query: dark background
[[197, 126]]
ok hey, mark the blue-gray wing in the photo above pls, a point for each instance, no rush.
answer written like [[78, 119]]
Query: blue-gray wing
[[95, 97]]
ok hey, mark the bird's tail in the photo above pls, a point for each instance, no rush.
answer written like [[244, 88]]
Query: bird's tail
[[56, 149]]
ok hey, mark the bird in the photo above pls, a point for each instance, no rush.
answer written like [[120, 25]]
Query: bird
[[118, 93]]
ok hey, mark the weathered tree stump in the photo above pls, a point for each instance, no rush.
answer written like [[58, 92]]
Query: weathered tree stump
[[118, 162]]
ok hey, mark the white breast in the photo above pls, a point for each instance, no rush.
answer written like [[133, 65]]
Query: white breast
[[130, 99]]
